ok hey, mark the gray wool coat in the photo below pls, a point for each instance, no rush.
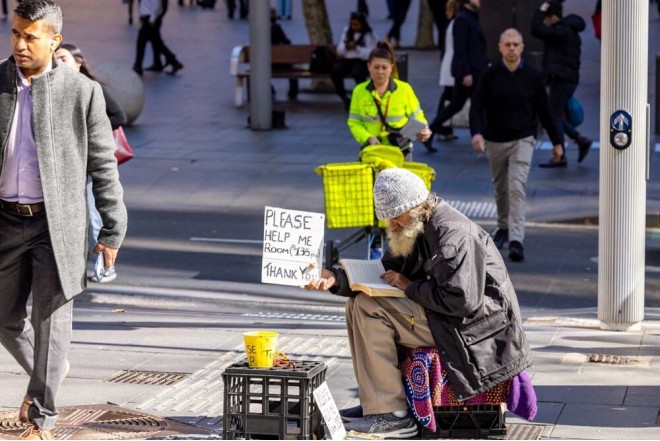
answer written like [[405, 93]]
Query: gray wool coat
[[73, 140]]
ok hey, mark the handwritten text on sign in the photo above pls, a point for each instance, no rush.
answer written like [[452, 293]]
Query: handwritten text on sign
[[293, 240]]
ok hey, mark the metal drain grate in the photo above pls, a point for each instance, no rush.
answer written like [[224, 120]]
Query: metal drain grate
[[524, 431], [147, 377], [612, 359], [99, 422]]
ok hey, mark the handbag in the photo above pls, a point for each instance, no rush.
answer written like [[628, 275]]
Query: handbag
[[123, 150], [393, 136], [323, 60], [574, 112]]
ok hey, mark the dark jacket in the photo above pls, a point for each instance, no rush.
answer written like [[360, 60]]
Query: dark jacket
[[460, 279], [114, 111], [561, 55], [507, 106], [469, 46]]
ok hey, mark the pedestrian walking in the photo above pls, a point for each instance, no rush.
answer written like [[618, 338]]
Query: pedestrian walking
[[457, 289], [447, 80], [71, 55], [438, 10], [399, 12], [469, 61], [151, 17], [506, 108], [561, 68], [129, 3], [58, 134]]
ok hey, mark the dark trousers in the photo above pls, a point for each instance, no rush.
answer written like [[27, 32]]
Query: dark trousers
[[151, 32], [231, 8], [560, 92], [446, 96], [158, 45], [4, 7], [460, 95], [293, 82], [41, 344], [400, 11], [440, 19], [363, 8], [130, 10], [348, 67]]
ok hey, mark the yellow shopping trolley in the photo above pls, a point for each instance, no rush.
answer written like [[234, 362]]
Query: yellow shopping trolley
[[349, 202]]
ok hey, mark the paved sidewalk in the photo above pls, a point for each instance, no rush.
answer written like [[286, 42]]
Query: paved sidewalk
[[194, 155]]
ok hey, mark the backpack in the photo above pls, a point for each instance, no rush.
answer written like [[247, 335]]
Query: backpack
[[574, 112], [323, 59]]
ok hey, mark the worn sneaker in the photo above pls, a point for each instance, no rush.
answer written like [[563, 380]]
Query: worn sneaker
[[351, 413], [500, 237], [385, 425], [516, 251], [376, 253]]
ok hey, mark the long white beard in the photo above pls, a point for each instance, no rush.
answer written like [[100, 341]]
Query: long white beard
[[401, 242]]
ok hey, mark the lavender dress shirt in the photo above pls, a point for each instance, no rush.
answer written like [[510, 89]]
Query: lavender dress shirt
[[20, 180]]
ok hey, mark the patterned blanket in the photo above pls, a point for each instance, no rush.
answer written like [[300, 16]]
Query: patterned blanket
[[427, 385]]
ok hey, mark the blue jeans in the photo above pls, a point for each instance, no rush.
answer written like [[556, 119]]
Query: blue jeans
[[95, 222]]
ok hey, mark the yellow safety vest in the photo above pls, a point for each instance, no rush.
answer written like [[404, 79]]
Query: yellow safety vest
[[397, 105]]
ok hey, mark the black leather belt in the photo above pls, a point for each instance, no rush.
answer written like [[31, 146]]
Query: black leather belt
[[22, 209]]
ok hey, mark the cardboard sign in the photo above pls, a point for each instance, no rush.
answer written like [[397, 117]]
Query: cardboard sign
[[293, 246], [328, 408]]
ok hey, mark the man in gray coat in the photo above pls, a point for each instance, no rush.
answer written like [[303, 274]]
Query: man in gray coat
[[54, 133], [458, 298]]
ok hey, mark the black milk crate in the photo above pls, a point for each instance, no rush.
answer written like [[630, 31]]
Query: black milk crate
[[476, 421], [274, 403]]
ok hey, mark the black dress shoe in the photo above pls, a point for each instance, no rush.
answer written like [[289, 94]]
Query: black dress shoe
[[562, 163], [176, 66], [516, 251], [429, 146], [500, 237], [154, 68], [137, 70], [584, 144]]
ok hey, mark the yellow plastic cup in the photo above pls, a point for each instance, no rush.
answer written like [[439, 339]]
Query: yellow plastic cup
[[260, 348]]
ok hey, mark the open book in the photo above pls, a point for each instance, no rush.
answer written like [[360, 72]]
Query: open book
[[364, 276]]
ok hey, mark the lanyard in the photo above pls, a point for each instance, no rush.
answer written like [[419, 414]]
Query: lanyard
[[383, 124]]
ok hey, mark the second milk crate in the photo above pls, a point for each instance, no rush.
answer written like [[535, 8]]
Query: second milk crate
[[274, 403], [478, 421]]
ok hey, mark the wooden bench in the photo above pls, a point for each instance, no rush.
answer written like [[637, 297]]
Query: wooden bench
[[295, 55]]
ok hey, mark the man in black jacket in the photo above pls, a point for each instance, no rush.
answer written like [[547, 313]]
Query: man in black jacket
[[458, 298], [504, 117], [469, 61], [561, 65]]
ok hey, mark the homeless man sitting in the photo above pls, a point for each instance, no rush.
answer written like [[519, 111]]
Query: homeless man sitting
[[459, 298]]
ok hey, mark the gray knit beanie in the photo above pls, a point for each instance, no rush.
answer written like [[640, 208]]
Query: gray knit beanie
[[396, 191]]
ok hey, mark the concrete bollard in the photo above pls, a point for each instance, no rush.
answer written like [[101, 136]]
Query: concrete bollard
[[125, 86]]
